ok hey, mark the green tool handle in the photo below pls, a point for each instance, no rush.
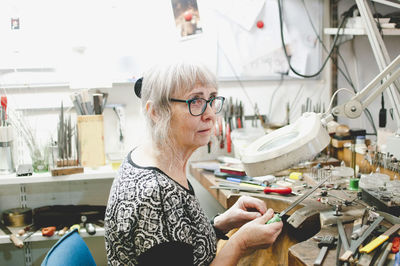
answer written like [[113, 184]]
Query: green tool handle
[[275, 219]]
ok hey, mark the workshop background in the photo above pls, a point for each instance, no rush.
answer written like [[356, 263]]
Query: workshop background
[[52, 50]]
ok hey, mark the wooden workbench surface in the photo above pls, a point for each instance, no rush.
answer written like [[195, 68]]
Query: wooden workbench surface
[[294, 246]]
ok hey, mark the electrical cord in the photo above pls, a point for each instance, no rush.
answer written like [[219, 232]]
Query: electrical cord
[[287, 55], [333, 97], [347, 74]]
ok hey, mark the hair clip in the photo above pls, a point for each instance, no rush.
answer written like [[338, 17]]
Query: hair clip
[[138, 87]]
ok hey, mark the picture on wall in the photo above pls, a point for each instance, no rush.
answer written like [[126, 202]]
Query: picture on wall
[[187, 18]]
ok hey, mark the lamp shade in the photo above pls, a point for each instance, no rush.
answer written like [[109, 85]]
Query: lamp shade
[[286, 146]]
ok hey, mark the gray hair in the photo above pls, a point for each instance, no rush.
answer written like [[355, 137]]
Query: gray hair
[[160, 83]]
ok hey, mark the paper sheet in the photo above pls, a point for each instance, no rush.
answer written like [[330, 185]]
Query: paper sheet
[[255, 52], [242, 12]]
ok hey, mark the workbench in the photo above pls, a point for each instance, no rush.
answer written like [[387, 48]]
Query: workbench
[[294, 246]]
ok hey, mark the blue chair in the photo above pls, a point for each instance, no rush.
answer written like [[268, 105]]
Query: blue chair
[[70, 250]]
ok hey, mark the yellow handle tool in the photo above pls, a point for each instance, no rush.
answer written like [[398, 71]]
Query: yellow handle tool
[[374, 244], [380, 239]]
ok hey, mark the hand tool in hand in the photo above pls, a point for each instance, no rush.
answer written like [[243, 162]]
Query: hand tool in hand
[[326, 242], [380, 239], [13, 238], [277, 217]]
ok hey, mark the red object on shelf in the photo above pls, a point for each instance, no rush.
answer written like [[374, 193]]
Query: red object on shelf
[[279, 190], [48, 231], [260, 24], [188, 15]]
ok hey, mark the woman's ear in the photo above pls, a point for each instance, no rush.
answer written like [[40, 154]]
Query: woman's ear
[[151, 111]]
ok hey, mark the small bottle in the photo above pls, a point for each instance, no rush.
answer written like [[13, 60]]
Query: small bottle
[[360, 145]]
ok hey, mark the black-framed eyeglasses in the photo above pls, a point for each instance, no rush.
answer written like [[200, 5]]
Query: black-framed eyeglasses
[[197, 106]]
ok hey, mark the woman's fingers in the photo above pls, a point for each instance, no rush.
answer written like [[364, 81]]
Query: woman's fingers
[[254, 203], [267, 216], [249, 216]]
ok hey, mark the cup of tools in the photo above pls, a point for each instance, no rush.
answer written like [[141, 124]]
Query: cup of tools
[[6, 147]]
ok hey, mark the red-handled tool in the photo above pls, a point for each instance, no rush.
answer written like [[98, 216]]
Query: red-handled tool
[[228, 138], [279, 190], [4, 105]]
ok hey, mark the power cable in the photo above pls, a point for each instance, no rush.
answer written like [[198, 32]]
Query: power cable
[[346, 77], [287, 55]]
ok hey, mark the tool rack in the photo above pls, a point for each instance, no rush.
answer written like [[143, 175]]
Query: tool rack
[[91, 187]]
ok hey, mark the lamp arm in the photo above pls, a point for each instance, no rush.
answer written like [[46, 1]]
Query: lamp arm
[[354, 107], [385, 2]]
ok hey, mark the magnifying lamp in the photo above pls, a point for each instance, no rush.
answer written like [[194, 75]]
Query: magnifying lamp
[[308, 136]]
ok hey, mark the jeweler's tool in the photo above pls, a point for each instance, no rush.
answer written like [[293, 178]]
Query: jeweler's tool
[[326, 242], [278, 190], [385, 254], [380, 239], [13, 238], [277, 217], [351, 249]]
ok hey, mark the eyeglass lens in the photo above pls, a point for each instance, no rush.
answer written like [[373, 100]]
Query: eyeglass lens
[[198, 106]]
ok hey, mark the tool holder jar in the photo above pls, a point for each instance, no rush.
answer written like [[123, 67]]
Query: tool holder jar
[[6, 147], [91, 140]]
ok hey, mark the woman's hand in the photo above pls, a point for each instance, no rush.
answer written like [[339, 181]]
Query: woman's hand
[[252, 235], [257, 234], [244, 210]]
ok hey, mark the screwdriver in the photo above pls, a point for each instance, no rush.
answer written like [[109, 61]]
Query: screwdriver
[[277, 217]]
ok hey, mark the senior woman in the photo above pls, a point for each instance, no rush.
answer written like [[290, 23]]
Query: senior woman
[[153, 215]]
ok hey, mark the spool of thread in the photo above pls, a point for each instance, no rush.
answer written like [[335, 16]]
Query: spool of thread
[[353, 185]]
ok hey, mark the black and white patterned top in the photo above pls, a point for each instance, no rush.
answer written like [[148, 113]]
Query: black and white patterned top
[[150, 218]]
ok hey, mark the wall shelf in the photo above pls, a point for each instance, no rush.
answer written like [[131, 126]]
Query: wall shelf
[[358, 31], [104, 172], [37, 236]]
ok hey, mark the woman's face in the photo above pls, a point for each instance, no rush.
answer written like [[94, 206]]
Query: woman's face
[[191, 132]]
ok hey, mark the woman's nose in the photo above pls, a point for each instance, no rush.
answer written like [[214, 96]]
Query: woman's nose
[[209, 113]]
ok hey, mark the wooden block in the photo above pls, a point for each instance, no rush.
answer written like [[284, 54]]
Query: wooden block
[[91, 140], [62, 163], [66, 170]]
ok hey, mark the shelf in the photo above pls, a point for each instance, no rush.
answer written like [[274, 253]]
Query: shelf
[[104, 172], [37, 236], [358, 31]]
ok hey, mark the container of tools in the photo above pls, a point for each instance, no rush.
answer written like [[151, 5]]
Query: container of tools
[[91, 140], [6, 155]]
